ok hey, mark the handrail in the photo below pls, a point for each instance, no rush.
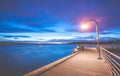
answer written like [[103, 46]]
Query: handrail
[[110, 65], [111, 60], [110, 53], [114, 67]]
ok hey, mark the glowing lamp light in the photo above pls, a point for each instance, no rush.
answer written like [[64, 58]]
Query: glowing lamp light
[[85, 27]]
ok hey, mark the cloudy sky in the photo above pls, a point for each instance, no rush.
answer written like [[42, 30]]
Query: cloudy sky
[[58, 20]]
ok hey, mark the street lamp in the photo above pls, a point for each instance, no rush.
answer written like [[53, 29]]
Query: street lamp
[[97, 36]]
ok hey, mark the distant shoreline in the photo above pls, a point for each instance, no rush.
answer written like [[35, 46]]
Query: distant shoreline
[[37, 42]]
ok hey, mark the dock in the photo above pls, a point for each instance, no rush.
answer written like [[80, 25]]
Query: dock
[[85, 63]]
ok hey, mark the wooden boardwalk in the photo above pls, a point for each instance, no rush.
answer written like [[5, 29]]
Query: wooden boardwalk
[[82, 64]]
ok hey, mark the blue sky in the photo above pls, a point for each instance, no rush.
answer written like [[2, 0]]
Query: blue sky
[[58, 20]]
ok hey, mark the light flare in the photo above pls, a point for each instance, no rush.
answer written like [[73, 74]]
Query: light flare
[[84, 27]]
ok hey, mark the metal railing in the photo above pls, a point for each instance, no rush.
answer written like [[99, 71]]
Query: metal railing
[[113, 60]]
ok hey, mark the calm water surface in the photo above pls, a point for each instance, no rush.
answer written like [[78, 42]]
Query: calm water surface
[[16, 60]]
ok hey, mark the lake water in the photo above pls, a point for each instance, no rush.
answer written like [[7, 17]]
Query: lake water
[[16, 60]]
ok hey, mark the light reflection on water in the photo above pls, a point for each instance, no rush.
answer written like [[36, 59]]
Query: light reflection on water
[[16, 60]]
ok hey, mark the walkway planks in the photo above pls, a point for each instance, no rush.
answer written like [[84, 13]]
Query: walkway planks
[[82, 64]]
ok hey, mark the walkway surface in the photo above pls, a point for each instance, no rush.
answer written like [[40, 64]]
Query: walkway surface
[[82, 64]]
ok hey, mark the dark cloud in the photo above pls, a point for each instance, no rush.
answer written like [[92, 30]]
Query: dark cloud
[[89, 37], [114, 31], [63, 40], [108, 38], [82, 39], [16, 27], [10, 36]]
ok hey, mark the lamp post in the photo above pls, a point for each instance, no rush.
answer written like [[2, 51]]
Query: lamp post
[[97, 36]]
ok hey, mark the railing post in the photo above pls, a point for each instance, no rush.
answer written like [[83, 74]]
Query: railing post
[[104, 56]]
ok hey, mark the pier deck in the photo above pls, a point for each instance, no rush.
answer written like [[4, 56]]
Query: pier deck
[[82, 64]]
